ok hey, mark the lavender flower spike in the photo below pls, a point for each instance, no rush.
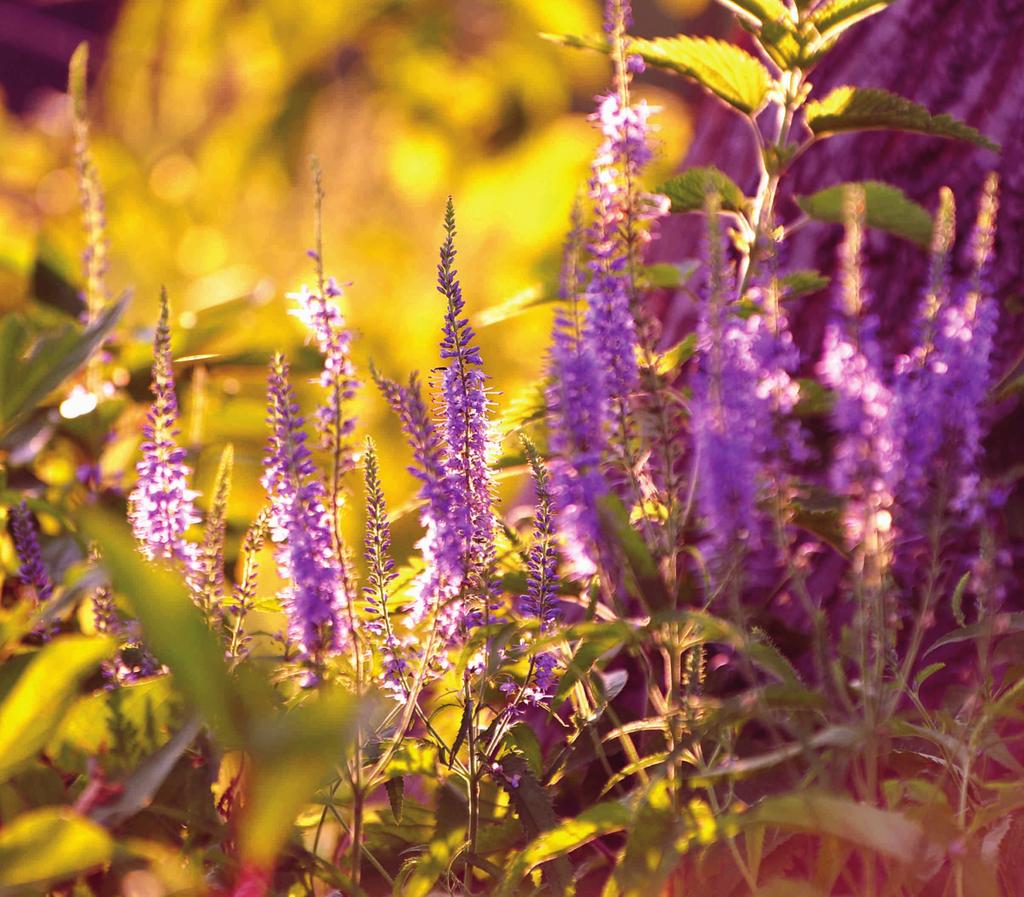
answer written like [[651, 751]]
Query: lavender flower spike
[[465, 422], [160, 506], [380, 574], [315, 599], [439, 585], [541, 595], [26, 546]]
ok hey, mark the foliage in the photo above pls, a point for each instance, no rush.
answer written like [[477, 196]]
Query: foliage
[[725, 653]]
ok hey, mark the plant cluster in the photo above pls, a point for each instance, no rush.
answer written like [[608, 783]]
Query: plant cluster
[[587, 699]]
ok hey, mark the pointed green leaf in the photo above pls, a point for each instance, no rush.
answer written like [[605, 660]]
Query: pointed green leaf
[[688, 190], [650, 854], [759, 12], [732, 74], [49, 844], [36, 705], [834, 18], [870, 109], [48, 362], [595, 822], [888, 208], [802, 283], [396, 796]]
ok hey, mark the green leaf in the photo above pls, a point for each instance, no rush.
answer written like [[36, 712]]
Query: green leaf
[[396, 796], [888, 208], [595, 822], [525, 300], [615, 523], [834, 18], [35, 707], [599, 638], [49, 844], [688, 190], [650, 854], [293, 753], [732, 74], [759, 12], [882, 831], [671, 360], [868, 109], [802, 283], [990, 627], [30, 370]]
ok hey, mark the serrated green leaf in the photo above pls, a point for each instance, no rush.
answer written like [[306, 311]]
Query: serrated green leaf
[[689, 189], [759, 11], [48, 844], [731, 73], [887, 208], [728, 71], [37, 703], [834, 18], [595, 822], [868, 109]]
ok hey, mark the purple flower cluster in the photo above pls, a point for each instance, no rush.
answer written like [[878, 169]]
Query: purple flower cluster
[[160, 506], [315, 597], [943, 382], [467, 441], [540, 600], [868, 464], [743, 391], [326, 325], [26, 545], [577, 429]]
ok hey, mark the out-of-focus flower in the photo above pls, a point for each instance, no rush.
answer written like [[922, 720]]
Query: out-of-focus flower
[[26, 545], [314, 599], [160, 506]]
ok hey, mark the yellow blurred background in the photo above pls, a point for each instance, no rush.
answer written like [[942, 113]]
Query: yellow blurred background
[[205, 114]]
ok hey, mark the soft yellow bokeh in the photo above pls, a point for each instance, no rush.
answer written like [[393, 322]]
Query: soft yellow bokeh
[[205, 114]]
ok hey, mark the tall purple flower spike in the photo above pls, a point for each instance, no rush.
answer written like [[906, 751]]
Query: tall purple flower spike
[[26, 545], [868, 463], [615, 237], [380, 574], [160, 506], [465, 406], [541, 599], [441, 546], [315, 598], [942, 384], [326, 326]]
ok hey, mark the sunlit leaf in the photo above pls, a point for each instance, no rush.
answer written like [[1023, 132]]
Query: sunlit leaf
[[833, 18], [868, 109], [42, 694], [48, 844], [887, 207], [688, 190], [594, 822]]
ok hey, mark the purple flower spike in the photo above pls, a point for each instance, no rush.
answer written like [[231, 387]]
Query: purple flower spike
[[868, 463], [160, 506], [578, 423], [441, 545], [380, 567], [465, 406], [26, 545], [315, 600], [540, 600], [326, 325]]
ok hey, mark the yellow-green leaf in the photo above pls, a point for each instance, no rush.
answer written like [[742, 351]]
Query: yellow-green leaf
[[759, 12], [51, 843], [888, 208], [729, 72], [36, 705], [599, 820], [871, 109], [688, 190], [834, 18]]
